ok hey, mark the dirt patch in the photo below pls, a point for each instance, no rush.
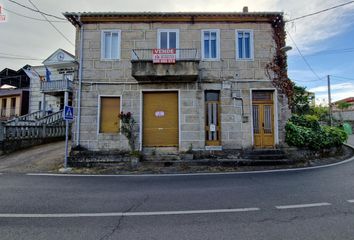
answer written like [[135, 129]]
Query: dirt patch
[[43, 158]]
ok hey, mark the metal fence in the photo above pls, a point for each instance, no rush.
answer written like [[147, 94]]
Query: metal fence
[[181, 54]]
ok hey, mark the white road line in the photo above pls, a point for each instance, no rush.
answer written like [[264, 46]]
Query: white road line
[[190, 174], [125, 214], [303, 205], [350, 201]]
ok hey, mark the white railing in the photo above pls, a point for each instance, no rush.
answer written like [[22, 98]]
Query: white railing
[[56, 85]]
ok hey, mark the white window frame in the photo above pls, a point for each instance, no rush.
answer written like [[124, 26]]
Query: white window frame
[[217, 44], [103, 44], [250, 31], [159, 31]]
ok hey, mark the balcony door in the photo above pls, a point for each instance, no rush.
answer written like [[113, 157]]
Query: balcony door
[[168, 38]]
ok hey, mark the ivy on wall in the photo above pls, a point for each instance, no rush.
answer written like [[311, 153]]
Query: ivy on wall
[[276, 70]]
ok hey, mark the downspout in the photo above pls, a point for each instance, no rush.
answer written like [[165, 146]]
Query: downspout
[[80, 82]]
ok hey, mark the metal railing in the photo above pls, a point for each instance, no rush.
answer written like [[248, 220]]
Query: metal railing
[[182, 54], [56, 85]]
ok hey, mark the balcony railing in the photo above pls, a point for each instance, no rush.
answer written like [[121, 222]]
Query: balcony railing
[[184, 68], [182, 54], [56, 86]]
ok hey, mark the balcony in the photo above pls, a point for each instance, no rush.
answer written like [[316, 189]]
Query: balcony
[[55, 86], [183, 67]]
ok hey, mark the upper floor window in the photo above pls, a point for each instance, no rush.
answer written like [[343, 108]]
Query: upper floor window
[[211, 44], [168, 38], [110, 44], [244, 44]]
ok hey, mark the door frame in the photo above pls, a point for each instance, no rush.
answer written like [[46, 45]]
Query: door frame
[[141, 122], [275, 110]]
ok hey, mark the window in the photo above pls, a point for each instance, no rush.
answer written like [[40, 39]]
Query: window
[[110, 45], [168, 38], [210, 44], [244, 44], [109, 111]]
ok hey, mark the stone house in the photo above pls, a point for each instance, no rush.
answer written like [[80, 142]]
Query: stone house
[[190, 80]]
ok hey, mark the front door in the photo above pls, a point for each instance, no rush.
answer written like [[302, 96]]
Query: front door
[[263, 119], [160, 119], [212, 118]]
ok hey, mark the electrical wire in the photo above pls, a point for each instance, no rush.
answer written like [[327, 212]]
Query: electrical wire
[[321, 11], [37, 10], [303, 57], [20, 58], [307, 81], [37, 19], [44, 16], [346, 78]]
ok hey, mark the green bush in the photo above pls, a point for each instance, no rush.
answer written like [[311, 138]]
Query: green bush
[[309, 121], [305, 132]]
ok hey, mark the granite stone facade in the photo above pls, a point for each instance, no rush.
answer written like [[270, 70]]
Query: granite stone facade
[[228, 75]]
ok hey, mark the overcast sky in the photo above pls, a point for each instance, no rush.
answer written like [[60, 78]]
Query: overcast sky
[[326, 40]]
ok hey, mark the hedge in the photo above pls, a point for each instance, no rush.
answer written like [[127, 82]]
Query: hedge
[[305, 131]]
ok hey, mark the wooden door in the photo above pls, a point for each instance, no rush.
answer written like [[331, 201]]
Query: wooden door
[[160, 119], [263, 119], [212, 118]]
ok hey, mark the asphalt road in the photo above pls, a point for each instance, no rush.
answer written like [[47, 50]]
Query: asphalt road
[[310, 204]]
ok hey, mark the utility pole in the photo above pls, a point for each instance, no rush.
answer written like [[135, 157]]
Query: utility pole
[[329, 100]]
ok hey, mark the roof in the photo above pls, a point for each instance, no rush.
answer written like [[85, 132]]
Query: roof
[[348, 100], [147, 17], [12, 92]]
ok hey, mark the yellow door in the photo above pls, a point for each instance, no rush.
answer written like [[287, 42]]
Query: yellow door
[[263, 120], [110, 109], [160, 119]]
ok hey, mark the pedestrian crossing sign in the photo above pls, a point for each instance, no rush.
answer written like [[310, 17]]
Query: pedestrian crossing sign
[[68, 113]]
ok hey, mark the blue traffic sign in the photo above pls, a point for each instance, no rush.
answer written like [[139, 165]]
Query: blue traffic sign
[[68, 113]]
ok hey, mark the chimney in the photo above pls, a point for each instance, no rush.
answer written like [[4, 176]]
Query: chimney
[[245, 9]]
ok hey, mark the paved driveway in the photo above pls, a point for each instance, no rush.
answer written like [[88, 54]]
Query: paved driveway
[[43, 158], [351, 140]]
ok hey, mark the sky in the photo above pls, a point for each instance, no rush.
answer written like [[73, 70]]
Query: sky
[[322, 44]]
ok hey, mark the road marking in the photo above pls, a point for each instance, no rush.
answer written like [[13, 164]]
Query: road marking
[[350, 201], [189, 174], [125, 214], [303, 205]]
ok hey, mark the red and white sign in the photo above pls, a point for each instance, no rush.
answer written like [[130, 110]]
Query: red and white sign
[[2, 14], [166, 55]]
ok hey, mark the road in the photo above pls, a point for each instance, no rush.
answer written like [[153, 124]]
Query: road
[[308, 204]]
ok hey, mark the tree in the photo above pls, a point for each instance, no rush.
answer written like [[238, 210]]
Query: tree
[[300, 102]]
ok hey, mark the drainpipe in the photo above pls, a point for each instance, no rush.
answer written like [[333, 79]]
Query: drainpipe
[[80, 83]]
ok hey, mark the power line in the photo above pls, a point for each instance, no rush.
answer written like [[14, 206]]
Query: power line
[[321, 11], [37, 19], [20, 58], [62, 34], [302, 56], [308, 81], [346, 78], [37, 10]]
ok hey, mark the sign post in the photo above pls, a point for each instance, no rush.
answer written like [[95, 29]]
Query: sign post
[[68, 115]]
